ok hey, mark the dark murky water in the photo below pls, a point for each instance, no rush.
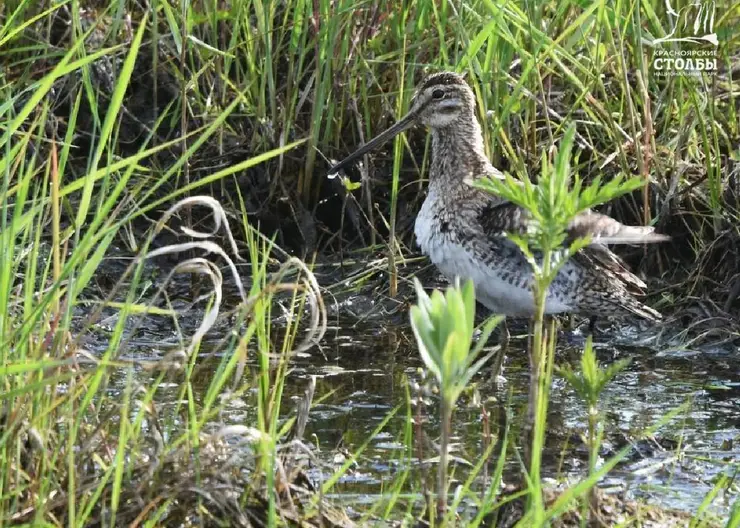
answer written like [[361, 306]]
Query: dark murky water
[[367, 366]]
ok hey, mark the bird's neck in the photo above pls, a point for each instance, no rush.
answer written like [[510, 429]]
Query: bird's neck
[[457, 153]]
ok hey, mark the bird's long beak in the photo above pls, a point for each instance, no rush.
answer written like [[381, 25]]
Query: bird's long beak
[[405, 123]]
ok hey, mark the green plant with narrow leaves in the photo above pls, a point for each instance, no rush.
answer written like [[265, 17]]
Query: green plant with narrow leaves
[[444, 327], [589, 383], [552, 204]]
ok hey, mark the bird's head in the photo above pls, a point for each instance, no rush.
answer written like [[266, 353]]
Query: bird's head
[[441, 100]]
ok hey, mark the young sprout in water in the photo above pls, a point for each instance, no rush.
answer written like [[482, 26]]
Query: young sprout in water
[[444, 327]]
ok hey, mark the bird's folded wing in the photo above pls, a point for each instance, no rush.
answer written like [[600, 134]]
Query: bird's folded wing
[[498, 217]]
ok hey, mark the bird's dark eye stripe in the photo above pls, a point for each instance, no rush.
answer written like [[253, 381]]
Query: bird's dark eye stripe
[[438, 94]]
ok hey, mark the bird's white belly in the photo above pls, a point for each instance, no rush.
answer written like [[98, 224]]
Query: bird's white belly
[[498, 295]]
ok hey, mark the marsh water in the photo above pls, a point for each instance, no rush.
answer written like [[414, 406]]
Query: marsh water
[[365, 361]]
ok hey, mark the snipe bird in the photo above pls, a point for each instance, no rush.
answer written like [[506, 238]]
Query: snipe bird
[[462, 228]]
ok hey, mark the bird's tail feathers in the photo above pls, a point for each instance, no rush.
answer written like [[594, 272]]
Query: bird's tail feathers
[[631, 235], [637, 308]]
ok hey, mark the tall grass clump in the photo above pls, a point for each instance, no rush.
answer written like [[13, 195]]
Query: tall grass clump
[[88, 437]]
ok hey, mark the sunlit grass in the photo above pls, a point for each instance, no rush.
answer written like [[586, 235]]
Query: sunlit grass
[[60, 407]]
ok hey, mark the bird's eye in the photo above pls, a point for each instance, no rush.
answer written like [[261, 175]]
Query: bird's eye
[[438, 94]]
